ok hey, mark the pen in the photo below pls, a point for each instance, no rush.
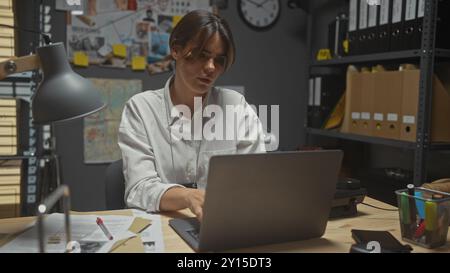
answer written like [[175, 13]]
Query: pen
[[104, 229], [412, 208]]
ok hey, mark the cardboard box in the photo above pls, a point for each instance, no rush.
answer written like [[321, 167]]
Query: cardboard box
[[367, 105], [440, 128], [352, 121], [378, 108], [387, 104], [410, 102]]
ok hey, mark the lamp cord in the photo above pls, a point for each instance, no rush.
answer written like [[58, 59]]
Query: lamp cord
[[45, 36], [375, 207]]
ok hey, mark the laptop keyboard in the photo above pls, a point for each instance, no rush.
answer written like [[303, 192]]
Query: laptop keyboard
[[194, 233]]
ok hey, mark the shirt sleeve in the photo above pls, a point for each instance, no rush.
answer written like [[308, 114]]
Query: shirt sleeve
[[143, 186], [250, 131]]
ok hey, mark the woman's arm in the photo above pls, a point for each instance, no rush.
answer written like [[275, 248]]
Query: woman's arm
[[181, 198]]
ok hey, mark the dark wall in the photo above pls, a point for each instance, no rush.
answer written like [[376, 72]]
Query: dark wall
[[271, 66]]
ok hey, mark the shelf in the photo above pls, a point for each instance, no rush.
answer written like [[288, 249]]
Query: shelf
[[18, 77], [14, 157], [440, 146], [443, 53], [377, 57], [361, 138], [374, 140]]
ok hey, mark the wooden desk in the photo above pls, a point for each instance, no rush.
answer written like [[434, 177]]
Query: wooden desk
[[337, 237]]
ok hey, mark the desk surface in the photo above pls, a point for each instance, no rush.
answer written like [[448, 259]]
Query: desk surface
[[337, 237]]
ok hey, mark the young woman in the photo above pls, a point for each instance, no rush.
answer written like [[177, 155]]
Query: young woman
[[157, 162]]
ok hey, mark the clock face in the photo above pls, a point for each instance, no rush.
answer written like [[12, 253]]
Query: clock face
[[259, 14]]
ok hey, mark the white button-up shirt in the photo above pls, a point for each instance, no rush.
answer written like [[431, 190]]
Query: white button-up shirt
[[154, 161]]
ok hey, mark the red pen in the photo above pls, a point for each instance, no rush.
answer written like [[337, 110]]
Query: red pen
[[420, 230], [104, 229]]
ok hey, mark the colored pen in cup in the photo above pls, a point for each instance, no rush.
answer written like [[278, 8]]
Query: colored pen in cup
[[104, 229], [412, 208]]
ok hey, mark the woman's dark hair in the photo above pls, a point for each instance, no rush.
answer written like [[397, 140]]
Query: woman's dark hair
[[197, 27]]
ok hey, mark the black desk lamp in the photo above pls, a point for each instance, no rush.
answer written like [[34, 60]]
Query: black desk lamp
[[62, 95]]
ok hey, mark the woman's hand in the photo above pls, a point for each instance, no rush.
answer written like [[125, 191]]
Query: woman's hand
[[178, 198], [194, 199]]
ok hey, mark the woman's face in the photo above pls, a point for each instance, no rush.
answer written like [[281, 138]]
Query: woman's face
[[200, 70]]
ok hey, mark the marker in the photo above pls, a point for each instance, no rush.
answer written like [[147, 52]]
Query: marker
[[405, 218], [430, 215], [430, 220], [420, 230], [104, 229], [405, 209], [412, 208], [420, 204]]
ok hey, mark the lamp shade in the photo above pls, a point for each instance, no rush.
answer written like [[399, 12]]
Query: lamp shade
[[62, 95]]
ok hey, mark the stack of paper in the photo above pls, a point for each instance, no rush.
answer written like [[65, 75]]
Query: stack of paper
[[10, 189], [8, 126], [6, 34], [130, 234]]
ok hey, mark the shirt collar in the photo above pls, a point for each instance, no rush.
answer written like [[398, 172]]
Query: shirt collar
[[170, 105]]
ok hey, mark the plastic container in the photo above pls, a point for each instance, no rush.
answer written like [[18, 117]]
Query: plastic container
[[424, 216]]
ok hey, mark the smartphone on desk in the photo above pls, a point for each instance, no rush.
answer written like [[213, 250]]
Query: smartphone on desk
[[385, 239]]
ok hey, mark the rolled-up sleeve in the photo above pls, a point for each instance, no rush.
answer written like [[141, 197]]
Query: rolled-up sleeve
[[143, 186]]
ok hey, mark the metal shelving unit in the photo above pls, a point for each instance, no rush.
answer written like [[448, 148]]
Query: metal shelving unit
[[379, 57], [21, 86], [426, 56]]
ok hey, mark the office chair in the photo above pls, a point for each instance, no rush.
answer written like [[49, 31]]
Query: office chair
[[115, 186]]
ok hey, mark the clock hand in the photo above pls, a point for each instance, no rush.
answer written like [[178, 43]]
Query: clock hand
[[254, 3], [264, 8], [260, 5]]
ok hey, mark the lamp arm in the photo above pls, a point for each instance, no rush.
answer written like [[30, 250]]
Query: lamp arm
[[18, 65]]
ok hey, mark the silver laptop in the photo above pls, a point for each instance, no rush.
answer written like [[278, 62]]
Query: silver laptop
[[263, 199]]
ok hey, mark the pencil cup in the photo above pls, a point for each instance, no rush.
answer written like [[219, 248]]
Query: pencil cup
[[424, 216]]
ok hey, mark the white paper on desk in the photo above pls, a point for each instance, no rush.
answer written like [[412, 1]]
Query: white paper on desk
[[28, 241], [106, 248], [84, 230], [152, 237]]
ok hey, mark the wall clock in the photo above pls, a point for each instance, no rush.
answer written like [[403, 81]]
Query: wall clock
[[259, 14]]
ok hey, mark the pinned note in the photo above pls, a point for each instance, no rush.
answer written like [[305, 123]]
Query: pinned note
[[80, 59], [120, 50], [324, 54], [176, 19], [138, 63]]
